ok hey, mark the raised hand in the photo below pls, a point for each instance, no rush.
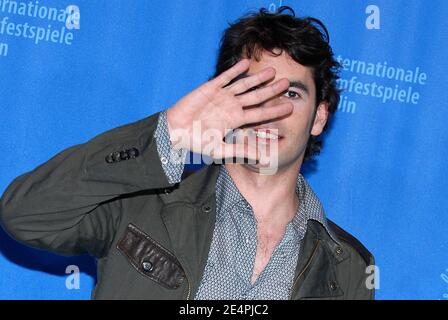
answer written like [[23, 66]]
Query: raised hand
[[219, 106]]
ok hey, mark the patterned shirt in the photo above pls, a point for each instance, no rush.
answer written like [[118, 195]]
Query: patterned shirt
[[231, 259]]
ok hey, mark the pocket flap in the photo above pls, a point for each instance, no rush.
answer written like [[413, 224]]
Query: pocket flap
[[150, 258]]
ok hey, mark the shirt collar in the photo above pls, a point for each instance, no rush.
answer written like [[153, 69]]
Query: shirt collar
[[310, 207], [227, 194]]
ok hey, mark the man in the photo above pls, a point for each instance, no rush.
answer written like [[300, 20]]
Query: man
[[225, 231]]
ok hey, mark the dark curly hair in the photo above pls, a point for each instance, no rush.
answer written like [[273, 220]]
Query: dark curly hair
[[306, 40]]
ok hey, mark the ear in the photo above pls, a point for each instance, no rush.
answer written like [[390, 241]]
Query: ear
[[320, 119]]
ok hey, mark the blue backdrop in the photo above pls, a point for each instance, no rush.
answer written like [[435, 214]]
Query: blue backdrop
[[382, 174]]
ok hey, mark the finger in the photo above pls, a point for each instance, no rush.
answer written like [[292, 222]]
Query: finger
[[247, 83], [239, 151], [260, 114], [228, 75], [263, 94]]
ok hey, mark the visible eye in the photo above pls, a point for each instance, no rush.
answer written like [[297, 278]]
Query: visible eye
[[292, 94]]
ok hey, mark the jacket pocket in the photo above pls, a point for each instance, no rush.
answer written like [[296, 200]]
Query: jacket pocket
[[150, 259]]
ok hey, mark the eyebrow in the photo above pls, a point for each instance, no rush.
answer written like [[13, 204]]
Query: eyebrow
[[292, 83], [299, 85]]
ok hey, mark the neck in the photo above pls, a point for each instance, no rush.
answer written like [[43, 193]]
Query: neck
[[272, 197]]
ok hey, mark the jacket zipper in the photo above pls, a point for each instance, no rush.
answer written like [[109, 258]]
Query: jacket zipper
[[306, 267]]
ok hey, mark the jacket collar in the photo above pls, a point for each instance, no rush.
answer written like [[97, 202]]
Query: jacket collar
[[315, 274], [197, 188], [189, 216]]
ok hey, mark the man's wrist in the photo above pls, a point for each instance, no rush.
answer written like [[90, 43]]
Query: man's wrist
[[172, 160]]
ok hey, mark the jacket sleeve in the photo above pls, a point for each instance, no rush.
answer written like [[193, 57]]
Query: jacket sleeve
[[70, 204]]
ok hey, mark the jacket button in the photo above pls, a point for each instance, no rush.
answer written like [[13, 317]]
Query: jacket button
[[133, 153], [339, 250], [206, 208], [333, 285], [167, 191], [116, 156], [109, 158], [147, 266], [124, 155]]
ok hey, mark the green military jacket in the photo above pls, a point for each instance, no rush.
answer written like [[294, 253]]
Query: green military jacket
[[110, 198]]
